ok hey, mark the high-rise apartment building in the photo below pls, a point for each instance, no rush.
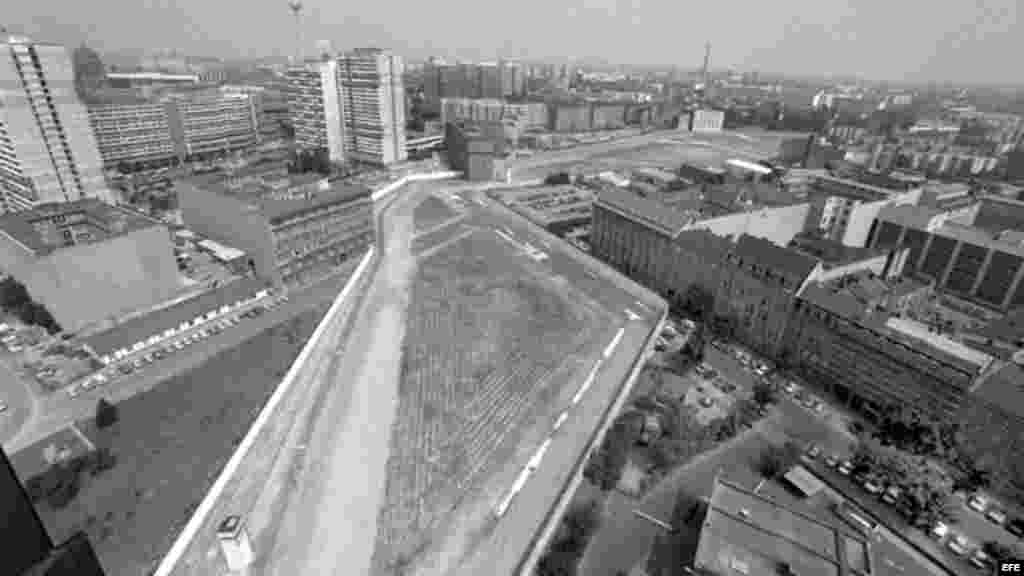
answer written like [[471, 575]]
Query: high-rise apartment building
[[132, 132], [204, 125], [47, 149], [373, 106], [315, 102]]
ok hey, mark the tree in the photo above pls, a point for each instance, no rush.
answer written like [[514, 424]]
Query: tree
[[13, 294], [106, 414], [777, 460], [557, 178], [605, 466], [764, 393], [970, 477]]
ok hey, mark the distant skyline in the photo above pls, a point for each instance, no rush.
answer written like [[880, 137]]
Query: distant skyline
[[910, 40]]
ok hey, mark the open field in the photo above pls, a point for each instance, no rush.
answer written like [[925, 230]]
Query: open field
[[485, 335], [170, 443], [664, 149], [431, 212]]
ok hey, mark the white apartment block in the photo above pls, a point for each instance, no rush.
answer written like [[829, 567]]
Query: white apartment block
[[47, 149], [315, 105], [132, 132], [210, 124], [374, 106]]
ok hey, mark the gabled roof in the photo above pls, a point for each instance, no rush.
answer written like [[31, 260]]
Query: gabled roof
[[791, 263], [645, 211]]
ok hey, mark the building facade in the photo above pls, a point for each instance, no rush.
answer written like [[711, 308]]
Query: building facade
[[47, 150], [133, 133], [374, 106], [65, 254], [872, 362], [205, 126], [759, 283], [294, 233], [992, 423], [707, 121], [315, 103]]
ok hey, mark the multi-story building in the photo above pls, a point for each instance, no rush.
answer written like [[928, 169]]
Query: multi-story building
[[294, 229], [759, 283], [743, 532], [849, 207], [872, 360], [68, 253], [706, 121], [670, 248], [47, 150], [133, 133], [315, 102], [374, 106], [477, 150], [490, 80], [992, 423], [960, 258], [208, 125]]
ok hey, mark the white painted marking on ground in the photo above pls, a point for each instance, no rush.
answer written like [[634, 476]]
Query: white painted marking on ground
[[615, 342], [561, 419], [538, 456]]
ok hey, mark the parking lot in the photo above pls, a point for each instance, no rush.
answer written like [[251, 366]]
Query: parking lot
[[143, 358]]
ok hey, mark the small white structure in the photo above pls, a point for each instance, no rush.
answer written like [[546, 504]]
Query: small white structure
[[234, 543]]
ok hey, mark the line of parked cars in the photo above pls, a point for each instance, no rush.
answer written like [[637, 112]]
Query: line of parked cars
[[212, 328], [892, 496]]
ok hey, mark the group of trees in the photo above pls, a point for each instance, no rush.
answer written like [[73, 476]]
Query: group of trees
[[15, 299], [318, 161], [60, 482], [577, 527], [557, 178], [925, 487], [909, 430], [604, 468]]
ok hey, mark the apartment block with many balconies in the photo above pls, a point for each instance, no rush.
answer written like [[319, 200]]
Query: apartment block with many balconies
[[47, 149], [315, 104], [373, 106]]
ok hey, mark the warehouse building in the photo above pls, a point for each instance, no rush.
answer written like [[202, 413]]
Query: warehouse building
[[559, 209], [66, 254], [746, 533], [295, 229], [970, 262]]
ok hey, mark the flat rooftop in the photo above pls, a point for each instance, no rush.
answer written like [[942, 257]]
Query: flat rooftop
[[744, 533], [50, 227], [279, 195], [1004, 388], [551, 204]]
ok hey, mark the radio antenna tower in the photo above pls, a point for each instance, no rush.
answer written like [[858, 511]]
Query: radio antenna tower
[[296, 7]]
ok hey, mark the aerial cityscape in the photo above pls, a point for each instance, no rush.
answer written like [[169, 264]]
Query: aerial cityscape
[[318, 292]]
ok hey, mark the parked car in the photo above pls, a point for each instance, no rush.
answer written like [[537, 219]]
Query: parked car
[[831, 461], [179, 345], [980, 559], [996, 516], [892, 495], [872, 487], [148, 357], [939, 531], [138, 363], [3, 407], [706, 402], [1016, 527], [813, 452], [845, 468], [73, 391], [959, 545], [977, 503], [100, 378]]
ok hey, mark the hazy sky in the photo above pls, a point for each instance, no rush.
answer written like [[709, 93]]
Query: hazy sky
[[915, 40]]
